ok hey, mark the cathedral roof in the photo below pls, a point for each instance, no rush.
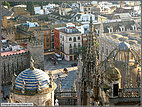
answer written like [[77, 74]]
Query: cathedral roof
[[32, 79], [123, 46]]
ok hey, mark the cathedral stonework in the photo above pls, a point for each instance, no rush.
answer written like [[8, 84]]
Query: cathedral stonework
[[110, 80]]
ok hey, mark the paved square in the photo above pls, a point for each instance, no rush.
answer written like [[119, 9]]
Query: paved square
[[66, 79]]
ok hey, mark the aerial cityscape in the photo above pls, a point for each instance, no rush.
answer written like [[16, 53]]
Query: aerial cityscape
[[71, 53]]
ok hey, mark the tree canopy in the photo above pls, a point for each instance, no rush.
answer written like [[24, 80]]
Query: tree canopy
[[5, 3], [30, 8]]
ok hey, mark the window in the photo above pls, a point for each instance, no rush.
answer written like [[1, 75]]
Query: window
[[98, 31], [78, 44], [75, 50], [70, 39], [110, 30], [75, 45], [74, 39], [70, 51], [70, 46], [78, 38]]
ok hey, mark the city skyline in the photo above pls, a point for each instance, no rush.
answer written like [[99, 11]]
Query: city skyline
[[71, 53]]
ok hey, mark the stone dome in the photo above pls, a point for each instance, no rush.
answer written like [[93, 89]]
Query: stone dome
[[112, 74], [123, 46], [32, 80]]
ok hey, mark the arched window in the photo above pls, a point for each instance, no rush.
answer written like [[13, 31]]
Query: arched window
[[70, 39], [74, 39], [98, 31], [79, 38], [70, 46]]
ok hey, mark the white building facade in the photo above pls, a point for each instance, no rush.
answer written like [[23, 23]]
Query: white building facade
[[70, 42]]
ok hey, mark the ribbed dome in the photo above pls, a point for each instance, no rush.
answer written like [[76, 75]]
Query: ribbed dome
[[32, 79], [123, 46]]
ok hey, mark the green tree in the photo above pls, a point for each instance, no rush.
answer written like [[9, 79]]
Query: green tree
[[5, 3], [30, 8], [81, 50]]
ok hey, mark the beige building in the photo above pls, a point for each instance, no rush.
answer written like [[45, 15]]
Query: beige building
[[64, 9], [70, 41], [21, 10]]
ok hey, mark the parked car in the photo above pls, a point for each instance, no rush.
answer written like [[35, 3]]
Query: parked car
[[74, 64]]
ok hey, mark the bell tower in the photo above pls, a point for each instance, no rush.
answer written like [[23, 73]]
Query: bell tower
[[36, 48]]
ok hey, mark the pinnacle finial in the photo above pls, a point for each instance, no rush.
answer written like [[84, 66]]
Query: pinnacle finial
[[138, 79], [32, 64], [23, 88]]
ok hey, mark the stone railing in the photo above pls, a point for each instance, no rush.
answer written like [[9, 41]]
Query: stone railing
[[65, 93], [129, 92]]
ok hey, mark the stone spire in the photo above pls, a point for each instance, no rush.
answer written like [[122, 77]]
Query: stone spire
[[32, 64], [74, 88], [23, 88], [138, 80], [51, 79], [90, 69], [59, 87], [101, 29], [13, 80], [91, 55], [39, 90]]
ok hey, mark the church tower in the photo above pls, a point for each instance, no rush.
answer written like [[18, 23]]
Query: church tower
[[36, 48], [90, 76]]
